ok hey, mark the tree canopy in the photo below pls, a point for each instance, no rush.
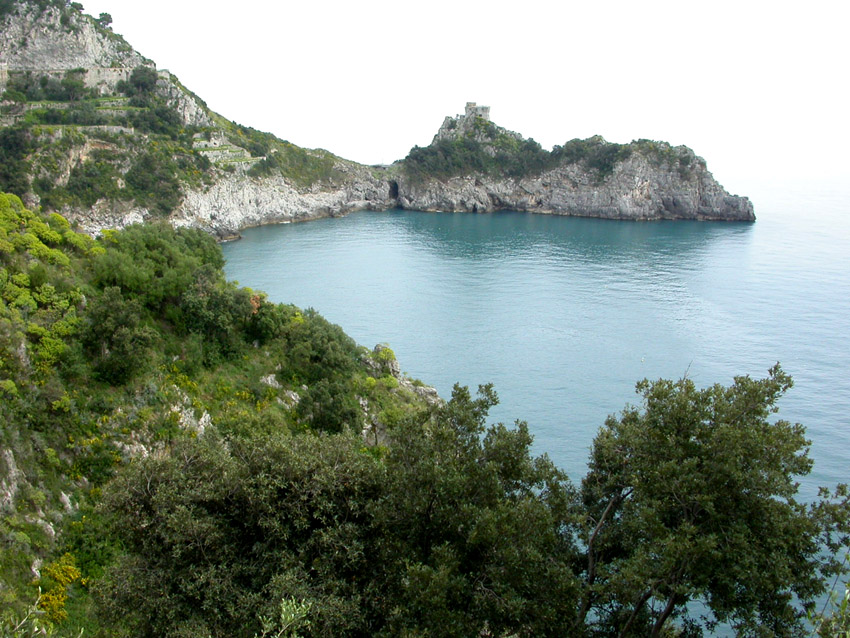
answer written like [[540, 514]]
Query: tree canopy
[[457, 530], [197, 455], [692, 497]]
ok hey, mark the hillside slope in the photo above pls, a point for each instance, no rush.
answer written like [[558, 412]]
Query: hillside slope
[[118, 348], [93, 130]]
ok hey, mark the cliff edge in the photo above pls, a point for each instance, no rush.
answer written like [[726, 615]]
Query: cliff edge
[[472, 165], [92, 129]]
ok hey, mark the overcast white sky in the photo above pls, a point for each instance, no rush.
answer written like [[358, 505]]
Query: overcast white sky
[[759, 89]]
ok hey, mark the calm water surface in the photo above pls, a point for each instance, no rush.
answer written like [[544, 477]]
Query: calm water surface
[[564, 315]]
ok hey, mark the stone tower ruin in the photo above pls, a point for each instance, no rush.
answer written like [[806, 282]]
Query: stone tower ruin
[[473, 110]]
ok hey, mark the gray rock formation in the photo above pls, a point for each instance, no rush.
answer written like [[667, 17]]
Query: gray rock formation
[[239, 201], [637, 190], [652, 181], [644, 186], [188, 107], [36, 39]]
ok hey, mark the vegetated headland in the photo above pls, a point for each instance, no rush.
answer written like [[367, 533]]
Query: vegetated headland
[[93, 130]]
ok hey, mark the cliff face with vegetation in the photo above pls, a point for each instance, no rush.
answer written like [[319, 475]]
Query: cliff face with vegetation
[[93, 130], [475, 166], [118, 348]]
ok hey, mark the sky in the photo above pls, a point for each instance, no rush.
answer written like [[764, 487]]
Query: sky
[[759, 89]]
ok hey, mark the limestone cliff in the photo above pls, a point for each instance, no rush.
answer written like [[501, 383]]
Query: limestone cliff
[[241, 201], [135, 144], [474, 166], [637, 190], [57, 38]]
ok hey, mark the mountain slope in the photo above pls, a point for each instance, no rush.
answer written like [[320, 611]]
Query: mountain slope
[[91, 129], [117, 348]]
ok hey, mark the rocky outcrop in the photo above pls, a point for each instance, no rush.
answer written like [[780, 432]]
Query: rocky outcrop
[[644, 180], [190, 109], [237, 201], [638, 189], [58, 40], [240, 201]]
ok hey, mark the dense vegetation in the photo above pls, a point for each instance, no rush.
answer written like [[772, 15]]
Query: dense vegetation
[[486, 149], [185, 458], [58, 118], [132, 343]]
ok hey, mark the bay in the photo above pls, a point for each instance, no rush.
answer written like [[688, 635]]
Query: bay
[[564, 315]]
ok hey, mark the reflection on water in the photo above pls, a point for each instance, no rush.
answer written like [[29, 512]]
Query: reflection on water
[[507, 235], [564, 315]]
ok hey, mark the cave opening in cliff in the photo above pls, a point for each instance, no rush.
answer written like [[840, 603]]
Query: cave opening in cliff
[[393, 190]]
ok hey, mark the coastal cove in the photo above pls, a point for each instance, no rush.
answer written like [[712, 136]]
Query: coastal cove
[[564, 315]]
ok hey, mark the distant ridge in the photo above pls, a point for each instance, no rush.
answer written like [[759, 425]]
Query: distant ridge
[[90, 128]]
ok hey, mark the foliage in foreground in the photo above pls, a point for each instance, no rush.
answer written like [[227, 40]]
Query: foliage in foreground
[[184, 459], [458, 530], [122, 346]]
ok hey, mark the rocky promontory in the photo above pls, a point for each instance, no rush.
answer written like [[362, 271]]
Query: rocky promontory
[[644, 180], [92, 129]]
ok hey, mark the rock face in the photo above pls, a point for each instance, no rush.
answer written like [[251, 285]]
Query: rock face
[[45, 40], [637, 190], [187, 106], [240, 201], [652, 180], [645, 185]]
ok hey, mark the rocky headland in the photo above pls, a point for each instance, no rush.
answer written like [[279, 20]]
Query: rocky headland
[[113, 118]]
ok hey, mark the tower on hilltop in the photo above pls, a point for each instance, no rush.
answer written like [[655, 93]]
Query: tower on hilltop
[[473, 110]]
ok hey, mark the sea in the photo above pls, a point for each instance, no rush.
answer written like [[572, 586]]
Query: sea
[[564, 315]]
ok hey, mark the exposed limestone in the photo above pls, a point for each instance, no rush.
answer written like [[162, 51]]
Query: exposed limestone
[[185, 413], [188, 107], [271, 381], [290, 399], [9, 481], [239, 201], [53, 41], [36, 39], [637, 190]]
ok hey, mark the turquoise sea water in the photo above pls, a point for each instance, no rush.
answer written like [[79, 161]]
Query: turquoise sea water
[[564, 315]]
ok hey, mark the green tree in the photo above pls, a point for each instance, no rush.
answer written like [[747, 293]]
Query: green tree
[[217, 535], [115, 338], [479, 532], [450, 534], [73, 86], [143, 80], [156, 263], [218, 312], [15, 144], [693, 497]]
